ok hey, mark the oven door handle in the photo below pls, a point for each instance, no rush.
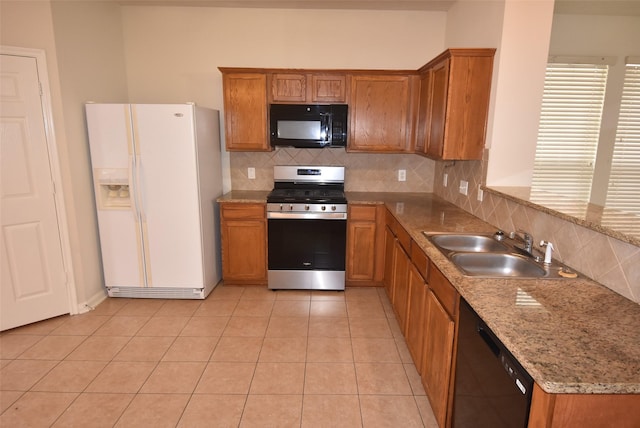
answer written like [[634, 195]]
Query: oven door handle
[[307, 216]]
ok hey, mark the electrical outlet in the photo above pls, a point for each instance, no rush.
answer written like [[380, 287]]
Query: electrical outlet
[[480, 194], [445, 179], [464, 187], [402, 175], [251, 173]]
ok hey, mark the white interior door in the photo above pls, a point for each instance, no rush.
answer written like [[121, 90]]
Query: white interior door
[[34, 282]]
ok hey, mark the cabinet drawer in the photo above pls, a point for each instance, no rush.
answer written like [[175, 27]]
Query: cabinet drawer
[[243, 211], [362, 212], [420, 260], [444, 291]]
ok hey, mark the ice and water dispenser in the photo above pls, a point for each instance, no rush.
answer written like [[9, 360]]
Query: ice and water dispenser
[[112, 188]]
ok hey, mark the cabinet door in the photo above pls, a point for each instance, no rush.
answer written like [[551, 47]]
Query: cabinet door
[[416, 315], [437, 356], [244, 243], [401, 285], [422, 132], [389, 261], [437, 108], [288, 87], [380, 110], [328, 88], [245, 111], [361, 243]]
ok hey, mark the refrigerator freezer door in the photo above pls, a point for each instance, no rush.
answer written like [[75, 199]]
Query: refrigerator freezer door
[[169, 206], [111, 144]]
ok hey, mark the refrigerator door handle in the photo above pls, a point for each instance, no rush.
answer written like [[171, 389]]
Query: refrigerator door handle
[[140, 202], [133, 189]]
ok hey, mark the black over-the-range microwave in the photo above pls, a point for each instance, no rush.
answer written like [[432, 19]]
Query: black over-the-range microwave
[[308, 126]]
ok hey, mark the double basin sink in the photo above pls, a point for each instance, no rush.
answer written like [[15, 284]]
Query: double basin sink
[[482, 255]]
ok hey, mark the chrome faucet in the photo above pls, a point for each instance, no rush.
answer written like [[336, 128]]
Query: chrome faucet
[[528, 241]]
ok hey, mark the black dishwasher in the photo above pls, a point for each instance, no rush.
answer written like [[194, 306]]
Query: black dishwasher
[[491, 387]]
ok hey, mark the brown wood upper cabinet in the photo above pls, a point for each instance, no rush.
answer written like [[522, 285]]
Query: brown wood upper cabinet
[[308, 88], [245, 110], [454, 104], [380, 111]]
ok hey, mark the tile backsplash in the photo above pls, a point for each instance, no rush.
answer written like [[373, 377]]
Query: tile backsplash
[[365, 172], [611, 262]]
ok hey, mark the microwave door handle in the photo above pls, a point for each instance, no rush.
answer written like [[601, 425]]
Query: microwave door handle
[[326, 124]]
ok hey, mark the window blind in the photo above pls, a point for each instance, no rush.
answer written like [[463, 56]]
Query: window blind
[[624, 182], [569, 129]]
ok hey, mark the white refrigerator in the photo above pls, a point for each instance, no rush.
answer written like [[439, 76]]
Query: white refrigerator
[[157, 175]]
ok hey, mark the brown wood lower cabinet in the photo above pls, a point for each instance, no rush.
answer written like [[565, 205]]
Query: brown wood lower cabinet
[[244, 243], [415, 331], [365, 236]]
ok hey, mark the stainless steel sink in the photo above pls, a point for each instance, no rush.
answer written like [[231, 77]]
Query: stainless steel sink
[[468, 243], [498, 265]]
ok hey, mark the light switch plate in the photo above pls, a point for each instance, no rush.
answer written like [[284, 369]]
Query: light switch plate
[[445, 179], [251, 173], [402, 175], [464, 187]]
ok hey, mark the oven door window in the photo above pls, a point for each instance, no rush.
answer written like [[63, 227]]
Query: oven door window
[[298, 244]]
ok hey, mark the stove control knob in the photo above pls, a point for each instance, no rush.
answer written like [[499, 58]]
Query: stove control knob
[[323, 208], [290, 207], [280, 207], [333, 208], [306, 207]]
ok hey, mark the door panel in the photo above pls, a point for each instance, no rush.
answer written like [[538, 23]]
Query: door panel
[[33, 273]]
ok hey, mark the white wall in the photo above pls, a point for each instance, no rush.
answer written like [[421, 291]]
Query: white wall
[[173, 53]]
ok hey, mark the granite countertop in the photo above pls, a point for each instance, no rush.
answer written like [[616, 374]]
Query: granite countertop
[[571, 335]]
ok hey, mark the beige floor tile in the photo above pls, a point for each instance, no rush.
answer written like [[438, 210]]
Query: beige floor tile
[[191, 349], [99, 348], [283, 349], [258, 293], [365, 308], [36, 409], [426, 412], [216, 308], [12, 345], [382, 378], [246, 326], [288, 327], [329, 327], [213, 411], [70, 376], [179, 308], [329, 350], [403, 350], [282, 411], [141, 307], [253, 308], [278, 378], [291, 308], [328, 308], [415, 381], [122, 326], [163, 326], [327, 295], [394, 326], [389, 411], [20, 375], [375, 350], [7, 398], [110, 306], [369, 327], [222, 292], [320, 411], [39, 328], [94, 410], [52, 348], [174, 377], [361, 293], [141, 348], [226, 378], [154, 410], [293, 294], [81, 325], [205, 326], [122, 377], [330, 378], [237, 349]]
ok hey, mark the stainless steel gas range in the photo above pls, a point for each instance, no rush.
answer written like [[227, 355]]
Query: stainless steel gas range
[[307, 228]]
